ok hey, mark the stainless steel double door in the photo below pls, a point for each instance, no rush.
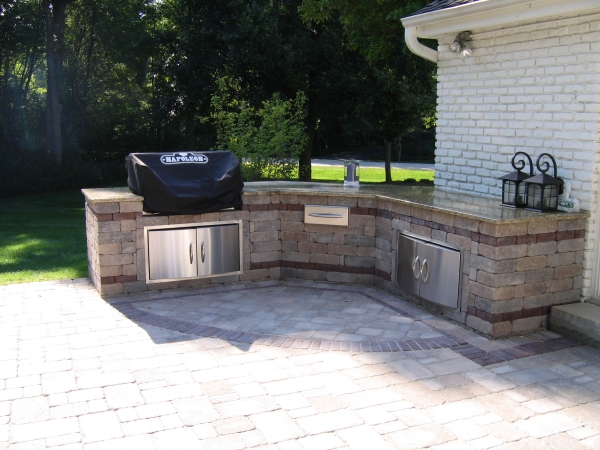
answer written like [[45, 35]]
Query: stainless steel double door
[[428, 270], [193, 252]]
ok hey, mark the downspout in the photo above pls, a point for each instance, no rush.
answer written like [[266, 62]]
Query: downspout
[[416, 47]]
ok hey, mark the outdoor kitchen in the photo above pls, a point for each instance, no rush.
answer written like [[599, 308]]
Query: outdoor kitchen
[[510, 265], [485, 246]]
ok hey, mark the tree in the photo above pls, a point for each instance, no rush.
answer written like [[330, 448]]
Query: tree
[[268, 140], [104, 75], [371, 26], [401, 87], [271, 49], [392, 103], [55, 16], [21, 52]]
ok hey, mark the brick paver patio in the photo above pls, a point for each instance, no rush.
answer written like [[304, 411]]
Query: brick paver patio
[[293, 365]]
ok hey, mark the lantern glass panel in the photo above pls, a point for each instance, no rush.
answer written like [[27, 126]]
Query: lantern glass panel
[[514, 193], [534, 196], [550, 197], [521, 195], [510, 190]]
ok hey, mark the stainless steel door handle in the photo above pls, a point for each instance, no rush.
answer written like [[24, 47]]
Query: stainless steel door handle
[[416, 265], [328, 215], [202, 251], [191, 253], [425, 276]]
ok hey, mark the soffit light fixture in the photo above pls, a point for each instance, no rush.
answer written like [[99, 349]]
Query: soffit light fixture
[[462, 44]]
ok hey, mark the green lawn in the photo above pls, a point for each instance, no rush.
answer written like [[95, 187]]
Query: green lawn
[[325, 173], [42, 237]]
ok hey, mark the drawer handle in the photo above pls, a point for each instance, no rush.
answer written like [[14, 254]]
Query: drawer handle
[[202, 251], [425, 276], [416, 265], [191, 253], [328, 215]]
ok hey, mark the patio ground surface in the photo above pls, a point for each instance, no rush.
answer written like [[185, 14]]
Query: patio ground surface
[[288, 365]]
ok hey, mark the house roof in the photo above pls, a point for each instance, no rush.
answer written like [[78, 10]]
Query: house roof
[[443, 17], [438, 5]]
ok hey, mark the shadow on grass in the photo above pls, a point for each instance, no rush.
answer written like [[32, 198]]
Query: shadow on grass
[[42, 237]]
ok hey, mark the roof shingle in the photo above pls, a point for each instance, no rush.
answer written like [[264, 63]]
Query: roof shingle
[[437, 5]]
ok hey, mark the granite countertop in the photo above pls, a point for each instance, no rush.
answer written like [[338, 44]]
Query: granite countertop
[[428, 197]]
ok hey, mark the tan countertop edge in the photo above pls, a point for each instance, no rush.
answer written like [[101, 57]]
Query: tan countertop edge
[[110, 195], [123, 194]]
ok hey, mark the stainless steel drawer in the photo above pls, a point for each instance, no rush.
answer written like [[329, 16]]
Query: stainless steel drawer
[[326, 215]]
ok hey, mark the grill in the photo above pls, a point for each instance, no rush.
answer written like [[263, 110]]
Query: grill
[[186, 182]]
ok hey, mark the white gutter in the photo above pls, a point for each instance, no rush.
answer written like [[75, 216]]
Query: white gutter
[[413, 44], [487, 15]]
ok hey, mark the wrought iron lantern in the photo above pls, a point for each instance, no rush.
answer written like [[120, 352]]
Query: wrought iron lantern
[[543, 190], [514, 192]]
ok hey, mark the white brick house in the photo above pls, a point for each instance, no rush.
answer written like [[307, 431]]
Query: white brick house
[[531, 84]]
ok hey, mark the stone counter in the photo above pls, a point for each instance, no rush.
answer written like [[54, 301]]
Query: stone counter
[[516, 263]]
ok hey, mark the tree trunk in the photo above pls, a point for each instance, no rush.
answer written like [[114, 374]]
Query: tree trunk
[[88, 72], [388, 160], [419, 128], [54, 14], [305, 164]]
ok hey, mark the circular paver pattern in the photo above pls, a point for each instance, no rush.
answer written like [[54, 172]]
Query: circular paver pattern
[[293, 311], [314, 316]]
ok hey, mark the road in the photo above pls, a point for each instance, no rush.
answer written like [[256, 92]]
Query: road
[[372, 164]]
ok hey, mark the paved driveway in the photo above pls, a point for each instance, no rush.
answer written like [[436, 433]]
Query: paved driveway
[[288, 365]]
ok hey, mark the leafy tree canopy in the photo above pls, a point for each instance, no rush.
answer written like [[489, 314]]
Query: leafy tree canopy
[[372, 26]]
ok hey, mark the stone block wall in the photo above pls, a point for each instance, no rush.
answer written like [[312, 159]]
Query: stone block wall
[[512, 272], [283, 245], [532, 88], [115, 241]]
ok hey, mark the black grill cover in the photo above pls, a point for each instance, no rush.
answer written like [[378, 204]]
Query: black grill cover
[[186, 182]]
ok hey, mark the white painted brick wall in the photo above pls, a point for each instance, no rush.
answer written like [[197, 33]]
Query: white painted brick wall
[[535, 88]]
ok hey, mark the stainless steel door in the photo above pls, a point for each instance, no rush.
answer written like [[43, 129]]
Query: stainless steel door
[[218, 249], [408, 265], [172, 254], [439, 273]]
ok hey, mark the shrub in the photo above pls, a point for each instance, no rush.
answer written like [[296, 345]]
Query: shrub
[[268, 141]]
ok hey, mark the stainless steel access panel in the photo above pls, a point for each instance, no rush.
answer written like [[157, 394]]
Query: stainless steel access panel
[[192, 251], [218, 249], [429, 269], [172, 254]]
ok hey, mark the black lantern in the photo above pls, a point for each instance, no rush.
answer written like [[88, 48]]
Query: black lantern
[[514, 191], [543, 190]]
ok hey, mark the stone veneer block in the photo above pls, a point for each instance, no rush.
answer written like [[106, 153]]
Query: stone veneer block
[[503, 229], [104, 208], [580, 321], [125, 207]]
